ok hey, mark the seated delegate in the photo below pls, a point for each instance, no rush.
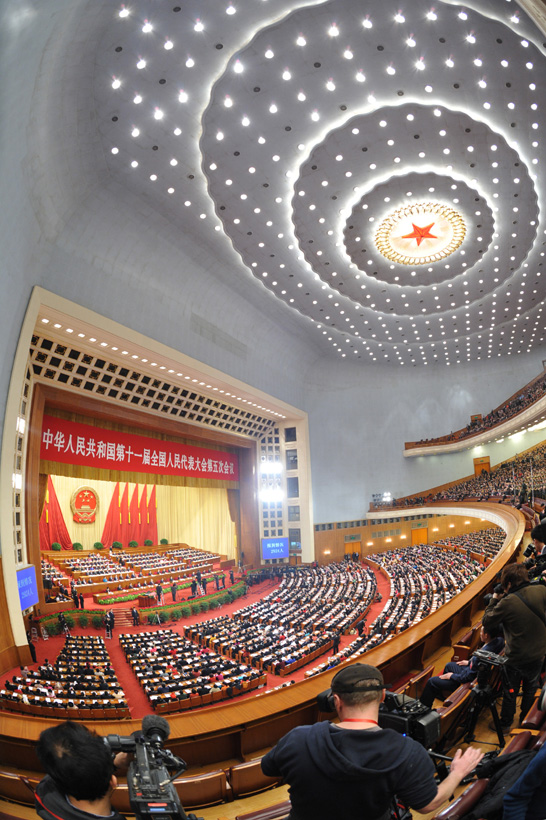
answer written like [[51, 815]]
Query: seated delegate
[[458, 672]]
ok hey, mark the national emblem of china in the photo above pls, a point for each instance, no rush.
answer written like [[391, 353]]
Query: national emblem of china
[[420, 234], [84, 505]]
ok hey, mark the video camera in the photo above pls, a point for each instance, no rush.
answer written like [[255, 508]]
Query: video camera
[[151, 790], [498, 589], [536, 566], [485, 663], [401, 713]]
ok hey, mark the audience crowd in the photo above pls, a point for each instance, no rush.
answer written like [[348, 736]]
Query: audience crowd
[[302, 618], [516, 482], [172, 669], [485, 542], [81, 678], [529, 394], [422, 579]]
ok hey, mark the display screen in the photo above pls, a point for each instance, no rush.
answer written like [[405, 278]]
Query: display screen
[[274, 548], [27, 586]]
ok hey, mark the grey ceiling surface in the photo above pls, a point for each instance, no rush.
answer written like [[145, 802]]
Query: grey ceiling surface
[[289, 132]]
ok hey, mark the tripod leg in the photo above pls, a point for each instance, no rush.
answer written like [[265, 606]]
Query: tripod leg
[[471, 721], [496, 721]]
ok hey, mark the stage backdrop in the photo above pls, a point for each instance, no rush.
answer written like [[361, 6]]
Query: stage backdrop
[[197, 516]]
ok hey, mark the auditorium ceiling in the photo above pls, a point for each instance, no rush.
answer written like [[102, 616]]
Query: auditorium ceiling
[[375, 166]]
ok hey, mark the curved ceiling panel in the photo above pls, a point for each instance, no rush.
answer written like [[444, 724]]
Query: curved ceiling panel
[[376, 169]]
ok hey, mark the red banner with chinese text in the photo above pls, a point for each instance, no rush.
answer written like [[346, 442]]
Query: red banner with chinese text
[[70, 442]]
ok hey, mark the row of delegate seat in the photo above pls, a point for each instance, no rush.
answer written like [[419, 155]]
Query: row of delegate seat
[[48, 712], [195, 792], [193, 701]]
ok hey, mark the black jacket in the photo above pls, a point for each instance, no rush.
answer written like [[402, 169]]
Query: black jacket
[[51, 804]]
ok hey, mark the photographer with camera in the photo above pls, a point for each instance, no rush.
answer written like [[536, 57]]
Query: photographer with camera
[[538, 537], [80, 775], [355, 767], [520, 610]]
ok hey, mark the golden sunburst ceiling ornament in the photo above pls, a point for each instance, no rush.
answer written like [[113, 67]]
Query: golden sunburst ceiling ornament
[[420, 234]]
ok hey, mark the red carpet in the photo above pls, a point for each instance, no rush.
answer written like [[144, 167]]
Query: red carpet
[[136, 698]]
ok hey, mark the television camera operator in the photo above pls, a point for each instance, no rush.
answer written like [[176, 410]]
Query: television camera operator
[[520, 610], [80, 775], [356, 768]]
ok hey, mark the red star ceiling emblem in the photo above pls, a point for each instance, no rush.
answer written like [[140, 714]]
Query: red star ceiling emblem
[[420, 233]]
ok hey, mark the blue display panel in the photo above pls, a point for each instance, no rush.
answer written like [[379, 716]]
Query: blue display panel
[[27, 586], [274, 548]]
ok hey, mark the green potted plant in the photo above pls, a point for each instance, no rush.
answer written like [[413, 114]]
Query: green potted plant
[[117, 545], [56, 546], [164, 541], [148, 542], [53, 628], [133, 544], [77, 546], [98, 545]]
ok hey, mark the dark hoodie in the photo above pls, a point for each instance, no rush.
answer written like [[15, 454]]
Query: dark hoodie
[[50, 804], [350, 773]]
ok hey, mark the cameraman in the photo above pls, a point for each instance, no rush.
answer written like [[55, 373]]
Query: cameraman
[[355, 768], [80, 774], [521, 613], [538, 537]]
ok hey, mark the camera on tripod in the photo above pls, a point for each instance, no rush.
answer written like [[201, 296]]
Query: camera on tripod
[[485, 663], [151, 790], [401, 713]]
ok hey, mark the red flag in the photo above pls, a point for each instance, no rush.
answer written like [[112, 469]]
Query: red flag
[[112, 530], [124, 517], [134, 526], [52, 524], [143, 515], [152, 517]]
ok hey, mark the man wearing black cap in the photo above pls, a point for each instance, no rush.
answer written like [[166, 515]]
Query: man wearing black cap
[[354, 768]]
